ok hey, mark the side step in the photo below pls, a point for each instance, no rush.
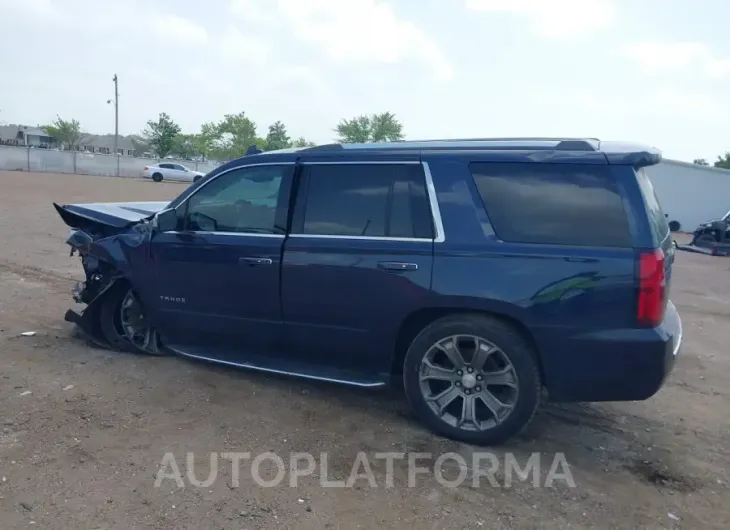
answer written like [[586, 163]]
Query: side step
[[273, 365]]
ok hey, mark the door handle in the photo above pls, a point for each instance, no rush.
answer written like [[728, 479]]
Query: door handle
[[255, 261], [397, 266]]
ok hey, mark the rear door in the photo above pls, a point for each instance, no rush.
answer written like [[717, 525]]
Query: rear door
[[358, 261]]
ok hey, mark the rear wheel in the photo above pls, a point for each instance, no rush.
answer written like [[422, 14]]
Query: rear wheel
[[197, 178], [472, 378], [123, 322], [157, 177]]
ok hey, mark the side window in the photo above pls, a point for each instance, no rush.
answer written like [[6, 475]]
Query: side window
[[370, 200], [561, 204], [243, 200]]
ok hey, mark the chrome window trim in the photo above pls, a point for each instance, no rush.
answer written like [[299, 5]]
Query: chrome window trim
[[364, 238], [439, 236]]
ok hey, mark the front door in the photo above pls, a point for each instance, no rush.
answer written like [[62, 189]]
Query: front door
[[217, 276]]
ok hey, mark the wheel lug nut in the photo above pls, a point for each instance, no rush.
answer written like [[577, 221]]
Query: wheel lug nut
[[479, 378], [468, 392], [470, 369], [459, 372], [478, 389], [458, 384]]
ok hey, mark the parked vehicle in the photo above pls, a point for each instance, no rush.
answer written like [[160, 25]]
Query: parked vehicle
[[169, 171], [479, 272], [712, 232]]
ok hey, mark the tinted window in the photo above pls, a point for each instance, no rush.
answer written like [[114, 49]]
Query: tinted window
[[375, 200], [244, 200], [563, 204], [657, 219]]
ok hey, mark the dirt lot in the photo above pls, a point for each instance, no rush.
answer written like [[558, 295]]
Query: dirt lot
[[82, 449]]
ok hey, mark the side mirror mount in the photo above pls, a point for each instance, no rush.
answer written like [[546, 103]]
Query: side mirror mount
[[165, 220]]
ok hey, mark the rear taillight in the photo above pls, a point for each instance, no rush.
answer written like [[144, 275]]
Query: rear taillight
[[652, 288], [146, 168]]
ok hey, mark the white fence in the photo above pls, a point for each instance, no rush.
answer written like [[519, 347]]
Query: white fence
[[33, 159]]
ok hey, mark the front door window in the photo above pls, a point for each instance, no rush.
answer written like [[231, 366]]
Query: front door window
[[241, 201]]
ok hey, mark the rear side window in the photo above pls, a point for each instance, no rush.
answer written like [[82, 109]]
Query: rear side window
[[560, 204], [370, 200], [657, 219]]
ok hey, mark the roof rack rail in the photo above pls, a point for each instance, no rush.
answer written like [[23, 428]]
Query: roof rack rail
[[323, 147], [512, 139]]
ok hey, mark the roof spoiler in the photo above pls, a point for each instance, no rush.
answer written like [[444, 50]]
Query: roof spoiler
[[635, 155]]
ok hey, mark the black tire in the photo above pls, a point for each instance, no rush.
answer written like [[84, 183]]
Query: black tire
[[514, 347], [674, 226], [157, 177], [110, 320]]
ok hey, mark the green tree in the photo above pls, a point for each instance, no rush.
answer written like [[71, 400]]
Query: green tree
[[66, 133], [161, 134], [205, 141], [277, 137], [723, 161], [383, 127], [303, 142], [354, 131], [235, 134], [700, 162], [183, 145]]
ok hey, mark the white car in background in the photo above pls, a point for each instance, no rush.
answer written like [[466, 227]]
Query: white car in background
[[169, 171]]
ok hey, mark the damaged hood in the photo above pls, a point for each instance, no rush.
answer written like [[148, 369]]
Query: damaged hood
[[107, 214]]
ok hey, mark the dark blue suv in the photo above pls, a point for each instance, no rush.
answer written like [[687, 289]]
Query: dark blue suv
[[483, 273]]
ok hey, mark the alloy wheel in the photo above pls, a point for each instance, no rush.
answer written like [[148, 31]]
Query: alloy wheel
[[133, 323], [468, 382]]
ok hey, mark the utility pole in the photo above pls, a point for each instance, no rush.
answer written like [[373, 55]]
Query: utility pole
[[116, 122]]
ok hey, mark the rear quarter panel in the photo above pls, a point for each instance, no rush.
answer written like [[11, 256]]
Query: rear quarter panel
[[558, 293]]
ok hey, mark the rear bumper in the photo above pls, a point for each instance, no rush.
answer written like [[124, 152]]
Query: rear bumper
[[615, 365]]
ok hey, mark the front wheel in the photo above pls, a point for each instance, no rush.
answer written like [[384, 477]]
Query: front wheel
[[472, 378], [124, 324]]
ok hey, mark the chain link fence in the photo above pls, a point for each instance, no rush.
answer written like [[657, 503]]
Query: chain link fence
[[84, 163]]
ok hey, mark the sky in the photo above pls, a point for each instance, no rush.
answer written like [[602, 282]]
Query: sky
[[650, 71]]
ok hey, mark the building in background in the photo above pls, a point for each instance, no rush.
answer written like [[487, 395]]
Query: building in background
[[28, 136], [690, 194], [24, 135]]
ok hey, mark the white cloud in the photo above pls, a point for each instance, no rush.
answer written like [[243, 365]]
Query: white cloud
[[656, 102], [240, 46], [179, 29], [363, 31], [557, 19], [678, 58], [252, 10]]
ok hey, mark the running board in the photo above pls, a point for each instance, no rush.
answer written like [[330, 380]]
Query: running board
[[281, 367]]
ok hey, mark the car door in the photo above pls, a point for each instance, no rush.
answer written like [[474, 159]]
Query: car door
[[167, 172], [182, 172], [216, 288], [357, 263]]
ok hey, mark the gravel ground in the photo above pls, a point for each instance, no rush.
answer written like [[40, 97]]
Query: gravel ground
[[84, 431]]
